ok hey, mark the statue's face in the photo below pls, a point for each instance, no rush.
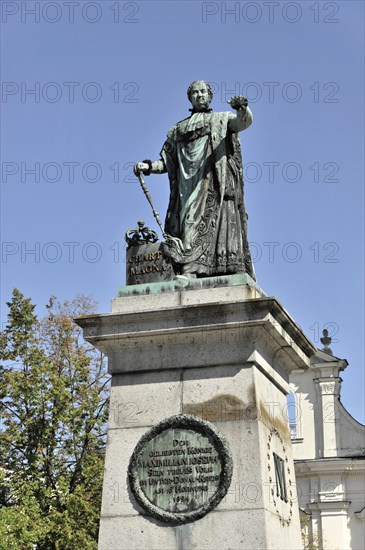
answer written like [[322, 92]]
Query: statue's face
[[199, 96]]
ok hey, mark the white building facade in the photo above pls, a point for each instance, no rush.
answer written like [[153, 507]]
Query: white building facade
[[329, 453]]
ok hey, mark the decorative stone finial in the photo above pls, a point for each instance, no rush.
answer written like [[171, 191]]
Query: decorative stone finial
[[326, 340], [140, 235]]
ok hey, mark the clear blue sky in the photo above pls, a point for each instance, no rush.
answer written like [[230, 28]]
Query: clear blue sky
[[110, 79]]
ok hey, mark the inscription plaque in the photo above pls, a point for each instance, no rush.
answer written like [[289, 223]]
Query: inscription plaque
[[180, 469], [146, 264]]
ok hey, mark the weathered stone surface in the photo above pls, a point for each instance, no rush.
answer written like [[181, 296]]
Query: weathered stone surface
[[194, 335], [187, 284], [233, 530], [246, 406], [136, 533], [224, 361], [142, 400], [220, 394], [228, 530], [117, 498]]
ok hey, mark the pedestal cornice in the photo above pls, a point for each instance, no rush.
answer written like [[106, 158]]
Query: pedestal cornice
[[175, 337]]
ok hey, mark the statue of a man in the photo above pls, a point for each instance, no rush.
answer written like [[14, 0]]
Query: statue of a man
[[206, 215]]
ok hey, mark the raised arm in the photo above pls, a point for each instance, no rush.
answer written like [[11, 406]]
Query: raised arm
[[243, 118]]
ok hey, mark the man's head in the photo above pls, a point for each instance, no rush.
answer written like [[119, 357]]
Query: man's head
[[200, 95]]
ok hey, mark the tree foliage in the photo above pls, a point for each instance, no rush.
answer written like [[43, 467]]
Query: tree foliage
[[53, 392]]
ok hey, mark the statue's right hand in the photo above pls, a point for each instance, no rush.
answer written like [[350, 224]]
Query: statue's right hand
[[140, 167]]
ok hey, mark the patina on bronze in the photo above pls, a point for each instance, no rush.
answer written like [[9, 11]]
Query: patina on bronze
[[145, 260], [180, 469], [206, 223], [146, 264]]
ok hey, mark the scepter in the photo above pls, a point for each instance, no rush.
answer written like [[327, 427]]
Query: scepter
[[173, 243], [149, 198]]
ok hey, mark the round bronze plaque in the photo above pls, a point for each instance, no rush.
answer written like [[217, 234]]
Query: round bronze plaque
[[180, 469]]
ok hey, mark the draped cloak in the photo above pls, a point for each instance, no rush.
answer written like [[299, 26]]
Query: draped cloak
[[206, 213]]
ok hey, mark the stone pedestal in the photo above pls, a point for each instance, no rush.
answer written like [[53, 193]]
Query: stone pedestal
[[222, 354]]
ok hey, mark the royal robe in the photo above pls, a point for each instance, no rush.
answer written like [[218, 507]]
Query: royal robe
[[206, 213]]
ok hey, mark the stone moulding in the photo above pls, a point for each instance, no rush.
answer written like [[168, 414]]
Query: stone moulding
[[188, 422], [158, 333]]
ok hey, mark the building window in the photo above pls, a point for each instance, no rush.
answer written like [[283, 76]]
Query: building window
[[292, 414]]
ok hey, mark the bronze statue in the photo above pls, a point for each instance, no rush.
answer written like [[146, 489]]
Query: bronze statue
[[206, 222]]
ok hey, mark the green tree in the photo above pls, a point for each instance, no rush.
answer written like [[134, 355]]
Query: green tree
[[54, 396]]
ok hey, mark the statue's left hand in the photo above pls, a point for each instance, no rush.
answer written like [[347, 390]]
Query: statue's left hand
[[238, 102]]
